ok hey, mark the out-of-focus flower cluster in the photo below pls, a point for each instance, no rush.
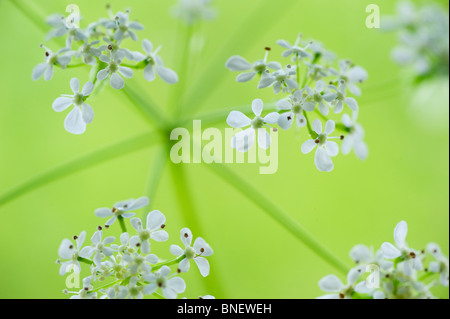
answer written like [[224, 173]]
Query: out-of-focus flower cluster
[[396, 271], [314, 82], [101, 47], [423, 38], [127, 269]]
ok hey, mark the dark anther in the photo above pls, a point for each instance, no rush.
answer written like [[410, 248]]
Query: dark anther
[[387, 276], [341, 295], [99, 228], [289, 118], [163, 226], [106, 226], [412, 254], [426, 269], [342, 137], [114, 210], [137, 245], [186, 235], [110, 47], [317, 141], [267, 48], [46, 53], [86, 288], [71, 246], [202, 250], [75, 237], [178, 270], [275, 129], [160, 284]]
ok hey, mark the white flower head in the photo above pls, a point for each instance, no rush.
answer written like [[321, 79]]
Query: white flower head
[[99, 248], [295, 49], [238, 63], [192, 11], [280, 79], [325, 147], [155, 63], [82, 113], [355, 138], [170, 286], [294, 107], [154, 230], [123, 28], [243, 140], [113, 69], [339, 98], [67, 250], [410, 258], [51, 59], [320, 96], [351, 74], [338, 290], [88, 52], [122, 208], [197, 253]]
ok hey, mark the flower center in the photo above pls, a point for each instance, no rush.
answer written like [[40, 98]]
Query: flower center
[[296, 108], [317, 97], [257, 122], [322, 139], [144, 235], [78, 99], [189, 252], [259, 67]]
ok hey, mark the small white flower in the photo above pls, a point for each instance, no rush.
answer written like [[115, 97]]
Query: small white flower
[[62, 27], [192, 11], [67, 250], [410, 259], [441, 265], [155, 63], [355, 138], [123, 28], [333, 284], [243, 140], [84, 293], [122, 208], [200, 248], [113, 69], [279, 79], [99, 247], [351, 74], [88, 53], [238, 63], [171, 287], [319, 96], [51, 59], [325, 147], [339, 98], [154, 230], [82, 113], [138, 264], [295, 49], [294, 107], [115, 47]]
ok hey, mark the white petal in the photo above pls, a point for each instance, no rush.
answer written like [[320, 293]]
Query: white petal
[[97, 237], [284, 104], [351, 102], [361, 149], [203, 265], [126, 72], [102, 74], [332, 148], [400, 232], [88, 113], [243, 140], [329, 127], [166, 74], [136, 223], [331, 283], [308, 146], [323, 160], [360, 253], [237, 119], [87, 88], [177, 284], [265, 82], [160, 235], [309, 106], [64, 250], [245, 77], [38, 71], [155, 219], [61, 103], [48, 73], [390, 251], [74, 123], [201, 247], [271, 118], [103, 212], [147, 46], [263, 138], [75, 85], [116, 81], [138, 203], [317, 126], [285, 120], [237, 63], [149, 73], [176, 250], [257, 106], [186, 236]]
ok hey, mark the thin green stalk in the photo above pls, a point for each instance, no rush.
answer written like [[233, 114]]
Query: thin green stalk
[[308, 125], [74, 165], [122, 224], [85, 260], [279, 215], [168, 263]]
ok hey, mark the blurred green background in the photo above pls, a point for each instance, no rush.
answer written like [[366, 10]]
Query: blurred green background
[[404, 178]]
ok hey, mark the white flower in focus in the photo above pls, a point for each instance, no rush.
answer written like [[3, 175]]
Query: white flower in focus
[[197, 253], [238, 63], [114, 47], [351, 74], [355, 138], [333, 284], [410, 259], [84, 293], [51, 59], [99, 247], [113, 69], [325, 147], [82, 113], [279, 79], [138, 264], [123, 27], [122, 208], [192, 11], [319, 96], [295, 49], [62, 27], [171, 287], [155, 63], [294, 106], [243, 140], [339, 98], [441, 265], [67, 250], [154, 230]]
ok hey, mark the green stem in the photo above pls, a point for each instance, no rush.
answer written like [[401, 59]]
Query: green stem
[[308, 125], [80, 163], [122, 224], [274, 211], [168, 263], [85, 260], [106, 286], [157, 295]]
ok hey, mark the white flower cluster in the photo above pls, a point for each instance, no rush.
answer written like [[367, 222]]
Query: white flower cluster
[[398, 271], [128, 269], [312, 86], [423, 38], [101, 47], [193, 11]]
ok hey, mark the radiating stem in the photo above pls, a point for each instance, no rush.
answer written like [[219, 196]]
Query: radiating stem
[[279, 215], [122, 224], [168, 263]]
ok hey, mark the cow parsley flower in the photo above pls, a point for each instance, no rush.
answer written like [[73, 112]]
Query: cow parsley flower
[[170, 286], [295, 49], [154, 63], [89, 53], [294, 106], [339, 98], [238, 63], [441, 265], [319, 96], [82, 113], [113, 68], [243, 140], [197, 253], [410, 258], [154, 230], [325, 147], [280, 78], [124, 28], [99, 248], [333, 284], [51, 59], [67, 250], [122, 208], [351, 74]]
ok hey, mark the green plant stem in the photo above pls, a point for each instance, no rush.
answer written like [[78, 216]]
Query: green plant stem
[[157, 295], [308, 125], [279, 215], [85, 260], [168, 263], [122, 224], [107, 153]]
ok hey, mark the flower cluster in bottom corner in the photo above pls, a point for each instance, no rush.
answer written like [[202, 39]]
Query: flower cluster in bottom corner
[[396, 271], [127, 269]]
